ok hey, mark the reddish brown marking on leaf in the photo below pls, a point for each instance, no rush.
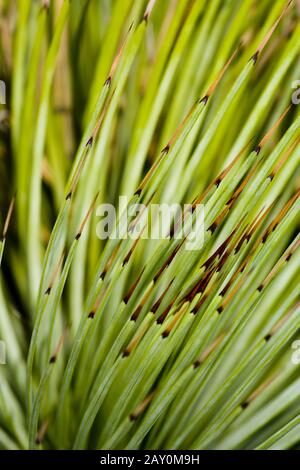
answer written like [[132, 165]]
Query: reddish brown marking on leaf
[[199, 304], [58, 347], [126, 298], [221, 73], [141, 407], [87, 216], [209, 350], [109, 262], [273, 128], [136, 313], [167, 263], [157, 304], [8, 218], [163, 316], [272, 29]]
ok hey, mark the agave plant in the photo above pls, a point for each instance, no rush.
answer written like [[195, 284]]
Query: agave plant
[[127, 342]]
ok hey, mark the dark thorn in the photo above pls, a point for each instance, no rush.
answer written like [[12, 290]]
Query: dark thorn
[[166, 149], [107, 81], [47, 291], [212, 228], [267, 337], [199, 304], [78, 236], [257, 149], [91, 315], [260, 288], [218, 182], [136, 313], [125, 353], [244, 405], [254, 57], [2, 239], [288, 257], [222, 262], [204, 100], [38, 441], [157, 304], [165, 334], [271, 176], [138, 192], [172, 231], [89, 142], [241, 242], [102, 275], [133, 417], [126, 259], [197, 363], [162, 317], [69, 195], [220, 309], [52, 360], [146, 17], [223, 292], [127, 297]]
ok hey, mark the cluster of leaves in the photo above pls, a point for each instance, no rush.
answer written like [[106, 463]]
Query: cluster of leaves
[[125, 343]]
